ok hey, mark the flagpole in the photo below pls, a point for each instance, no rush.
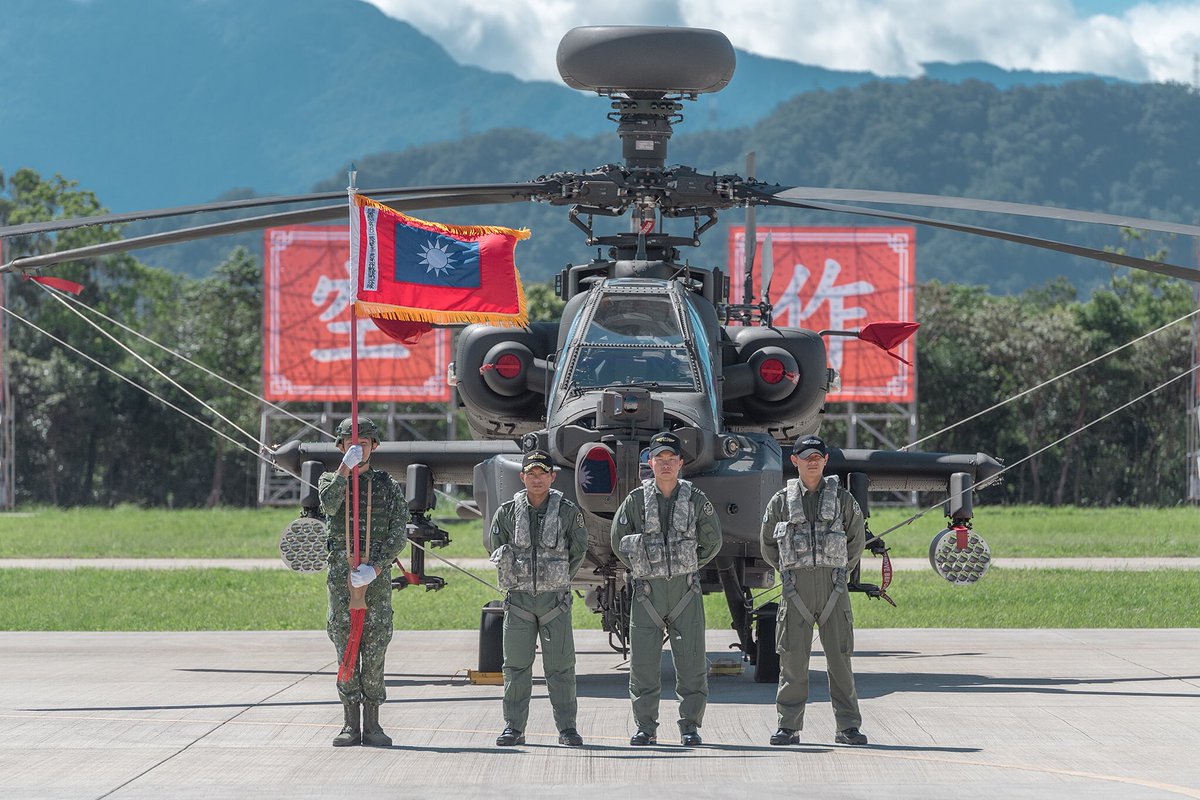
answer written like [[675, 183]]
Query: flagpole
[[351, 191], [357, 595]]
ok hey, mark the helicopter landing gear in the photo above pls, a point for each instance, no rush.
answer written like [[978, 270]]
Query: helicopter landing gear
[[491, 637], [766, 660], [613, 604]]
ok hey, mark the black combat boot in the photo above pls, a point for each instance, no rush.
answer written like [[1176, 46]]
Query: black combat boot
[[511, 737], [373, 735], [850, 736], [785, 736], [643, 738], [351, 733]]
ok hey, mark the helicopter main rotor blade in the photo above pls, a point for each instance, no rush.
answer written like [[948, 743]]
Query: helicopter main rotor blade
[[1170, 270], [382, 195], [804, 193], [518, 193]]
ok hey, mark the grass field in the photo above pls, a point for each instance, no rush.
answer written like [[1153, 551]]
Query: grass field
[[251, 533], [89, 599], [129, 532], [218, 599]]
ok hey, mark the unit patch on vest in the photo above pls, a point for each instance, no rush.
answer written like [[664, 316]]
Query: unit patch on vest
[[708, 509]]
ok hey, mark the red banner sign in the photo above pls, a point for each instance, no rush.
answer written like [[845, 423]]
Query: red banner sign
[[306, 329], [842, 279]]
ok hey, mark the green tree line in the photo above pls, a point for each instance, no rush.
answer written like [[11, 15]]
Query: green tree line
[[85, 437]]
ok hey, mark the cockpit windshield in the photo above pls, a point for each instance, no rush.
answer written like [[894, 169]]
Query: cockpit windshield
[[634, 339], [634, 319], [655, 367]]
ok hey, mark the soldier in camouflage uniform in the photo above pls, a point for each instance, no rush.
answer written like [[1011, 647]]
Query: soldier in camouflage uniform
[[381, 506], [538, 541], [813, 532], [664, 532]]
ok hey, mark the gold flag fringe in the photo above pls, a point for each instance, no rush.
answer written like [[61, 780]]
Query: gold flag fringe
[[447, 317], [457, 230]]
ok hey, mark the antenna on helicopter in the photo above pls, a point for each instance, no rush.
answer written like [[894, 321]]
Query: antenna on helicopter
[[768, 270], [750, 244]]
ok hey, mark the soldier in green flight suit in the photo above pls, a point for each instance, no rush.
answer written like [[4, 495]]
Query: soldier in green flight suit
[[538, 541], [382, 519], [664, 532], [813, 532]]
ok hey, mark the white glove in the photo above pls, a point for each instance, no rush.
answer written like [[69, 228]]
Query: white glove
[[362, 575], [353, 456]]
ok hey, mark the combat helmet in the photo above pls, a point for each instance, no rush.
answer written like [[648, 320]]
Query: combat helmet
[[366, 428]]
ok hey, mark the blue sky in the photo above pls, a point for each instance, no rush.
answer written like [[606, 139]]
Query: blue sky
[[1142, 41]]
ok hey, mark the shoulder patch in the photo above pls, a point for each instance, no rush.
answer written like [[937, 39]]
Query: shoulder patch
[[579, 519], [495, 529], [708, 509], [624, 520]]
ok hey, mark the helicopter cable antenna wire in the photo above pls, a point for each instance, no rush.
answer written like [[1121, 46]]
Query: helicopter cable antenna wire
[[215, 430], [1048, 382], [183, 358], [157, 397], [130, 381], [1191, 370], [188, 361], [156, 370], [430, 552]]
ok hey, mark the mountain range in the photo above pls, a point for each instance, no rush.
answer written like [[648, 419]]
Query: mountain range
[[164, 103]]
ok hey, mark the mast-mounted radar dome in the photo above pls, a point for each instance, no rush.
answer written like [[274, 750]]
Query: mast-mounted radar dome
[[626, 59]]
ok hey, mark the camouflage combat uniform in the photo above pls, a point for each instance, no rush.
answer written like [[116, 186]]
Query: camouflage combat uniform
[[389, 517]]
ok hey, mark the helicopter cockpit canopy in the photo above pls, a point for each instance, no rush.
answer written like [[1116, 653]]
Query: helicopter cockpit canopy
[[634, 339]]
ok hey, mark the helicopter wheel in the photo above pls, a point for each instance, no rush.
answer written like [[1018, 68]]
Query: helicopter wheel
[[766, 660], [491, 637]]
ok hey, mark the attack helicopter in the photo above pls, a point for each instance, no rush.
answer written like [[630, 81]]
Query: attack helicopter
[[648, 342]]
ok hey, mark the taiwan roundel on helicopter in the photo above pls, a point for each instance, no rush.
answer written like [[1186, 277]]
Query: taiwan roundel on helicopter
[[648, 342]]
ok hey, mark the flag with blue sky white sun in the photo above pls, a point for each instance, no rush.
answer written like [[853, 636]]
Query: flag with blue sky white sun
[[417, 271]]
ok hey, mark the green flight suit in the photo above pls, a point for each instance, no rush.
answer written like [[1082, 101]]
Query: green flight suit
[[389, 518], [793, 633], [685, 627], [525, 620]]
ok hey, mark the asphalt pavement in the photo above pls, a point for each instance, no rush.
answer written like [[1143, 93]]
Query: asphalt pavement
[[950, 713]]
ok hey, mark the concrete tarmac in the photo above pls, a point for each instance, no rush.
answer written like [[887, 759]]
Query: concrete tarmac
[[950, 713]]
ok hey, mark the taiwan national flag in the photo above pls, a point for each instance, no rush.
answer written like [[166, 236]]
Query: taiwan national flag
[[413, 274]]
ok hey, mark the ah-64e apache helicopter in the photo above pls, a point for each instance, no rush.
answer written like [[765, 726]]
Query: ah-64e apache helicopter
[[649, 342]]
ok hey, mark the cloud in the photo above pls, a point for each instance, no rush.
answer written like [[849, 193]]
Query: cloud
[[1149, 41]]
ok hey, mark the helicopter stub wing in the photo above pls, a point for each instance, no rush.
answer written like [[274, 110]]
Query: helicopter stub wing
[[899, 470], [450, 462]]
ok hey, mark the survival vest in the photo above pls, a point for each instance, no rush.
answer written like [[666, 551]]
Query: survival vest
[[808, 543], [659, 552], [529, 565]]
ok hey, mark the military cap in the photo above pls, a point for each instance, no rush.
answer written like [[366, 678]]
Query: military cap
[[806, 446], [537, 458], [665, 440]]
